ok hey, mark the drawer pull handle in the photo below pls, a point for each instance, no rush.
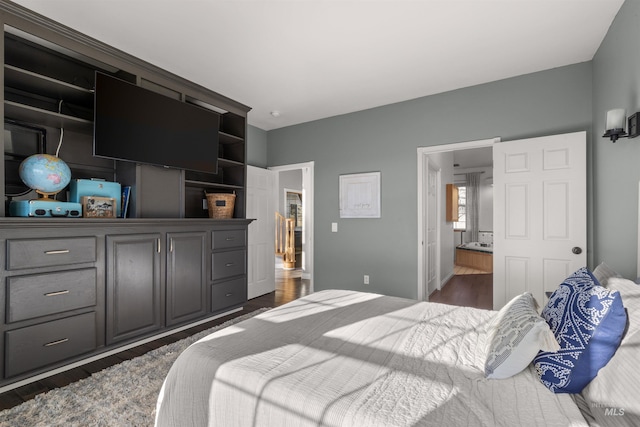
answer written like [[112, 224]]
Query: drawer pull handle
[[230, 264], [57, 252], [229, 295], [228, 239], [52, 343], [55, 294]]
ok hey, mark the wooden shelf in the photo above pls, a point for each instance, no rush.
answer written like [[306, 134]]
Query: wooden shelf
[[226, 138], [29, 114], [212, 185], [28, 81], [229, 163]]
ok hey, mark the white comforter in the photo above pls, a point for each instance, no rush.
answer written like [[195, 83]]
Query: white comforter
[[343, 358]]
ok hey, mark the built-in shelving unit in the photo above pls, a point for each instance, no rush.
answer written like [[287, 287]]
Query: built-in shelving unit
[[105, 284], [50, 84]]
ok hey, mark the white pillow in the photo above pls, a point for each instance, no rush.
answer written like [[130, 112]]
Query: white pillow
[[515, 336], [603, 273]]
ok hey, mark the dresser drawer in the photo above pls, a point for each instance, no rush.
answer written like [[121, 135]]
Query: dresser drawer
[[224, 239], [228, 294], [50, 252], [228, 264], [43, 294], [40, 345]]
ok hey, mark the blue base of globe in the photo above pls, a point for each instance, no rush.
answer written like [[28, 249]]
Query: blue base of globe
[[44, 173]]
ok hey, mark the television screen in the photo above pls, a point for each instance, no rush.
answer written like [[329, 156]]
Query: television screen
[[135, 124]]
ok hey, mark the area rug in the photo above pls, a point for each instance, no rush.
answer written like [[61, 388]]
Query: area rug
[[121, 395]]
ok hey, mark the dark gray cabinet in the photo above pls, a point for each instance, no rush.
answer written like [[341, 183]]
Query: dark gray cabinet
[[186, 276], [36, 295], [228, 293], [46, 343], [51, 298], [25, 253], [78, 288], [228, 268], [133, 286]]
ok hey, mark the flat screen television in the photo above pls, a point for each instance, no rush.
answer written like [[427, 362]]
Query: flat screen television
[[135, 124]]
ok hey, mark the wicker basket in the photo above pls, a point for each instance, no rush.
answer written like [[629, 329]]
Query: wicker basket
[[221, 205]]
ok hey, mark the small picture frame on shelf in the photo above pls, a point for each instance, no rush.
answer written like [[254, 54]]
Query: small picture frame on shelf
[[98, 207]]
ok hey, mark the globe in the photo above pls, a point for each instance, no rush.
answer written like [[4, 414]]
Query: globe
[[44, 173]]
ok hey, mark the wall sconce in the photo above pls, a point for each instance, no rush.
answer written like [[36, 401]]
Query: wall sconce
[[615, 125]]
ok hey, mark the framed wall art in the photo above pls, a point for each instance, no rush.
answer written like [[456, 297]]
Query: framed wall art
[[360, 195]]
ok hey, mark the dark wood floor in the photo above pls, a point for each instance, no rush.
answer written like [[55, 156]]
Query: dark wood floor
[[470, 290], [474, 290], [289, 286]]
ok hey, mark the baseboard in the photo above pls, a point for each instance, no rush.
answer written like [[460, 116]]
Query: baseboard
[[445, 280]]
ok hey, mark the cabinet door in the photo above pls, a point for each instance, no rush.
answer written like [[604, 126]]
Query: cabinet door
[[134, 286], [452, 203], [186, 276]]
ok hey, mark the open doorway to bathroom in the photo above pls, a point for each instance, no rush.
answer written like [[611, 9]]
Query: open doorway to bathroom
[[473, 230], [464, 262]]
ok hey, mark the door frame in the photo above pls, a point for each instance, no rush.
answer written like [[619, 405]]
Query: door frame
[[423, 158], [307, 215], [438, 178]]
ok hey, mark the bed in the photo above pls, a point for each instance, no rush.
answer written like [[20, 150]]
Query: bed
[[346, 358]]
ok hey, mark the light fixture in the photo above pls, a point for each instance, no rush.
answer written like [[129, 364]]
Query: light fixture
[[275, 113], [616, 123]]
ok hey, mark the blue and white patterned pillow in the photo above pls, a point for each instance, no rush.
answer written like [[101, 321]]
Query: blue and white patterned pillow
[[588, 321]]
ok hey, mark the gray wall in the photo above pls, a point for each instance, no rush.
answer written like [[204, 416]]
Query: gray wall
[[385, 139], [256, 147], [616, 84]]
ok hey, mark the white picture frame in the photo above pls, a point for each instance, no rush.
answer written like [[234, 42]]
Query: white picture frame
[[360, 195]]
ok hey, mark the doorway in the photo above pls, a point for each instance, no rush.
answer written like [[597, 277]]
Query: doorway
[[295, 201], [442, 253]]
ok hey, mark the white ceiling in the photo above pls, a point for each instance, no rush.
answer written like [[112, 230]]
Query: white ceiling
[[473, 158], [311, 59]]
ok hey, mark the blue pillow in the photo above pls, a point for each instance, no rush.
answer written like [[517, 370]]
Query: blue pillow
[[588, 322]]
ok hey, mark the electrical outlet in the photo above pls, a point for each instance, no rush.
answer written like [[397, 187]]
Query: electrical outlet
[[366, 279], [334, 227]]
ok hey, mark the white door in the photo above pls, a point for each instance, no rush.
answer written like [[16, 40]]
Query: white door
[[432, 229], [540, 231], [261, 196]]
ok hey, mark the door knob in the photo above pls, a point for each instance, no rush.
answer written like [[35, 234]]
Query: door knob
[[576, 250]]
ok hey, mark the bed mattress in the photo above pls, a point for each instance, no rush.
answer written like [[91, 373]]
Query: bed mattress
[[345, 358]]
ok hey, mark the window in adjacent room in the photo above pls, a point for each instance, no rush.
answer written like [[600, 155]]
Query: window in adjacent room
[[461, 224]]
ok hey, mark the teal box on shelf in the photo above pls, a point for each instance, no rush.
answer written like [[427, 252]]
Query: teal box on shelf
[[95, 187], [40, 208]]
